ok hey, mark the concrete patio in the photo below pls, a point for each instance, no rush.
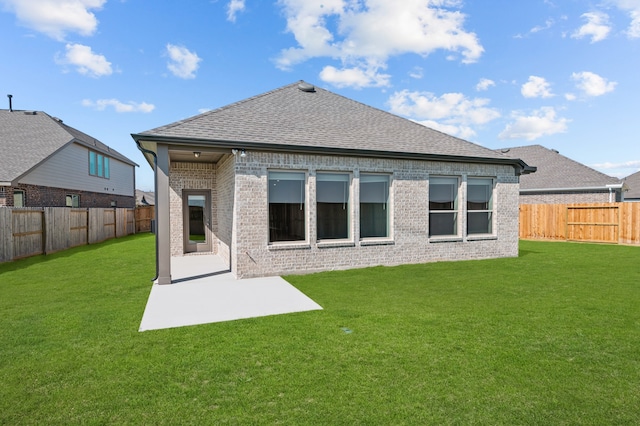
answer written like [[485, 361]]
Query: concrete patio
[[204, 291]]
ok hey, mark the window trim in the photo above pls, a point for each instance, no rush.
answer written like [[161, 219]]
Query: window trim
[[348, 240], [491, 210], [75, 197], [24, 197], [388, 207], [304, 243], [100, 166], [456, 211]]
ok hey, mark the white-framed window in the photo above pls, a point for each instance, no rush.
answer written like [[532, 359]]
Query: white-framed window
[[287, 214], [479, 206], [333, 206], [99, 165], [19, 198], [374, 205], [73, 200], [443, 206]]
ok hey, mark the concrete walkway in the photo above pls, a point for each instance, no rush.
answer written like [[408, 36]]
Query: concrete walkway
[[204, 291]]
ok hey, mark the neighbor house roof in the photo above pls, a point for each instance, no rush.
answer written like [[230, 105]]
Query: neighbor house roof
[[300, 117], [555, 172], [145, 198], [30, 137], [633, 182]]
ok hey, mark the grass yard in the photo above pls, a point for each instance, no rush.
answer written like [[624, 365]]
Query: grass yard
[[552, 337]]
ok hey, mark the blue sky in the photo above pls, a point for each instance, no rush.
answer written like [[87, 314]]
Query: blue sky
[[560, 73]]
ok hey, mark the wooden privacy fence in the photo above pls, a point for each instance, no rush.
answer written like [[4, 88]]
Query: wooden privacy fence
[[31, 231], [617, 223], [144, 216]]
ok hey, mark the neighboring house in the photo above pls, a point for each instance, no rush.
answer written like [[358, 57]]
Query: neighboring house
[[45, 163], [633, 182], [145, 198], [561, 180], [300, 179]]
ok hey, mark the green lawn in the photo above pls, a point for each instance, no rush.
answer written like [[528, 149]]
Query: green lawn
[[552, 337]]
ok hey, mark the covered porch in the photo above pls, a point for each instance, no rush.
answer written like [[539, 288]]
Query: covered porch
[[203, 291]]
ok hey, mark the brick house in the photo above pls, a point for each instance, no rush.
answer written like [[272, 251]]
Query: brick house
[[300, 179], [46, 163], [561, 180]]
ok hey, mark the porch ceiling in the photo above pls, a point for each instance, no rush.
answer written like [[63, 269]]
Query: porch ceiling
[[189, 156]]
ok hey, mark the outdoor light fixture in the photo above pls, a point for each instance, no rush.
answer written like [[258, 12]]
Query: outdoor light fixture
[[242, 152], [196, 154]]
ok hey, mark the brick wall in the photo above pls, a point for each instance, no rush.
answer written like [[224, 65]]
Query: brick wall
[[200, 176], [44, 196], [409, 242]]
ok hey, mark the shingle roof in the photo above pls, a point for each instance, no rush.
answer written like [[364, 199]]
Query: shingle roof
[[145, 197], [555, 171], [317, 119], [29, 137], [633, 182]]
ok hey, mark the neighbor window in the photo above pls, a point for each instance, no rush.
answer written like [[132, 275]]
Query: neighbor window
[[374, 206], [73, 200], [332, 205], [18, 198], [443, 206], [98, 165], [287, 206], [479, 206]]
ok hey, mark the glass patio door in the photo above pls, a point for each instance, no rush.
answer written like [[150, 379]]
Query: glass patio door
[[197, 221]]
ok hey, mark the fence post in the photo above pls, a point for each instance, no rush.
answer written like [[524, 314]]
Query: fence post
[[6, 234]]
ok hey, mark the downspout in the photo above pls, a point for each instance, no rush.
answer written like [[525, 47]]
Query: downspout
[[155, 206]]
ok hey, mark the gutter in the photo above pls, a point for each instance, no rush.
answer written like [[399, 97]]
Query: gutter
[[155, 206], [609, 187], [520, 166]]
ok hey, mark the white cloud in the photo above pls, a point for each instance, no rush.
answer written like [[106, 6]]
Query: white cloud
[[354, 77], [634, 164], [592, 84], [633, 8], [233, 8], [536, 87], [102, 104], [547, 24], [570, 96], [452, 113], [182, 63], [417, 73], [597, 27], [542, 122], [365, 34], [55, 18], [484, 84], [85, 61]]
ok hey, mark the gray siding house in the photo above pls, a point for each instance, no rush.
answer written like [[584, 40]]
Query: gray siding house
[[300, 179], [561, 180], [633, 182], [46, 163]]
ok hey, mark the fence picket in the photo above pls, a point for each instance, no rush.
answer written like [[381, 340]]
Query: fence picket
[[31, 231]]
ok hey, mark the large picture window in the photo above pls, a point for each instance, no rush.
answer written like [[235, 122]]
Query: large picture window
[[99, 165], [479, 206], [332, 205], [374, 206], [287, 206], [443, 206]]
